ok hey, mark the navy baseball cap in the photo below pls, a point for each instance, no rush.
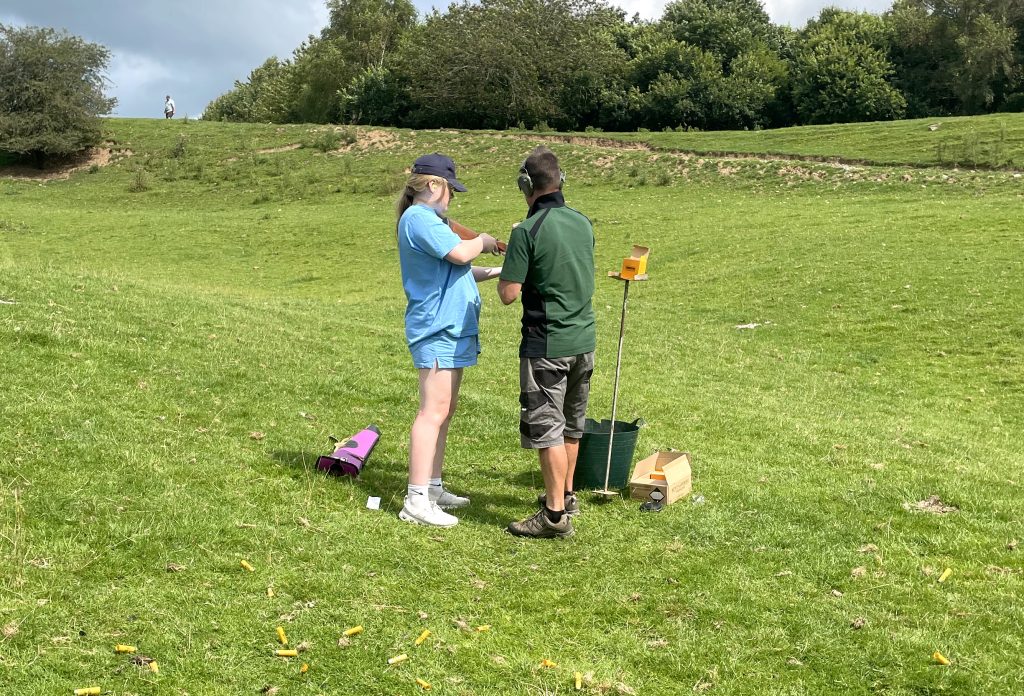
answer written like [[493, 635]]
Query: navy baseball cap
[[438, 165]]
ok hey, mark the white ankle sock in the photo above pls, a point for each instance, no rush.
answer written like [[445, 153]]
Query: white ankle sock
[[414, 491], [435, 482]]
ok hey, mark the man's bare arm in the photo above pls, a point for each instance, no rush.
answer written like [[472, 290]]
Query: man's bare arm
[[509, 291]]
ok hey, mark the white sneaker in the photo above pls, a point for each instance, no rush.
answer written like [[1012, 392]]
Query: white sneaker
[[445, 499], [421, 510]]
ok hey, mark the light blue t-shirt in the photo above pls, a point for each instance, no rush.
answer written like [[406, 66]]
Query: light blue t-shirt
[[443, 297]]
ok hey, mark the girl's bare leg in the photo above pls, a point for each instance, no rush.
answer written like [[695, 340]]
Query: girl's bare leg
[[439, 393]]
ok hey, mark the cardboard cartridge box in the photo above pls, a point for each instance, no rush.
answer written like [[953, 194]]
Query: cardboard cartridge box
[[636, 264], [668, 472]]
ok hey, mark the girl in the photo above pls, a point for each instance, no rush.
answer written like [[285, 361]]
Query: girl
[[441, 325]]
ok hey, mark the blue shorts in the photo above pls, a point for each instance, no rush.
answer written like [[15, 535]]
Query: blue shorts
[[445, 352]]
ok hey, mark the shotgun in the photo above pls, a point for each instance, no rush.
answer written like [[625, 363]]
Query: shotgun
[[466, 233]]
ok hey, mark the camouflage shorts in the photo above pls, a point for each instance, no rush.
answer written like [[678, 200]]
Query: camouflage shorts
[[553, 394]]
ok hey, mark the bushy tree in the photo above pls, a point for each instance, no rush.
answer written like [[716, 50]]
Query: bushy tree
[[51, 92], [841, 72], [739, 36], [267, 96], [319, 71], [957, 56], [677, 81], [501, 62], [377, 96], [685, 85], [358, 43], [318, 83], [746, 97], [368, 31], [724, 28]]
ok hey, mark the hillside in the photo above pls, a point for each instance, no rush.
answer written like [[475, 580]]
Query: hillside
[[989, 142]]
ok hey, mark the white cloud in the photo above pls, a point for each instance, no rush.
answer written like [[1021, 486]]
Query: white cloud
[[792, 12], [796, 12], [647, 9]]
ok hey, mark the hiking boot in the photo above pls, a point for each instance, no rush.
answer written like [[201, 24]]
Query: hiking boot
[[419, 509], [540, 527], [572, 505], [445, 499]]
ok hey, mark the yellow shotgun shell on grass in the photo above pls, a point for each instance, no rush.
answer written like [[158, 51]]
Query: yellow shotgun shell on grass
[[397, 658], [270, 591], [247, 565], [355, 630], [485, 627], [579, 681], [88, 691], [281, 636], [940, 658], [945, 574], [547, 663], [154, 667], [124, 648], [423, 636], [304, 668], [287, 653], [425, 685]]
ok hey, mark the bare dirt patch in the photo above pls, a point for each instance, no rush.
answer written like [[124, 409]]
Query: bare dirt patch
[[581, 140], [371, 140], [93, 157], [933, 505], [282, 148]]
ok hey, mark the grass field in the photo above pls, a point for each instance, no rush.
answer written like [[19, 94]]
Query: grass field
[[181, 330], [992, 142]]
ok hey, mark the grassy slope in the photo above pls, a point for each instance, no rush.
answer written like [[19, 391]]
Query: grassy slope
[[154, 331], [983, 141]]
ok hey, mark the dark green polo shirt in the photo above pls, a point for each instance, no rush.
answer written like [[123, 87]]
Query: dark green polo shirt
[[552, 254]]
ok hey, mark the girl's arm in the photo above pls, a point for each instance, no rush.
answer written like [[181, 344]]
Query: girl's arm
[[469, 249], [482, 274]]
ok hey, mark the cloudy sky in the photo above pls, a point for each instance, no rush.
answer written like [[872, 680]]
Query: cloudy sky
[[196, 49]]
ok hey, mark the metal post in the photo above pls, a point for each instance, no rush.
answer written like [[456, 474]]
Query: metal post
[[615, 390]]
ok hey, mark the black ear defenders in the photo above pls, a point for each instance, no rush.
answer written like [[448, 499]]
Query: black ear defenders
[[525, 183]]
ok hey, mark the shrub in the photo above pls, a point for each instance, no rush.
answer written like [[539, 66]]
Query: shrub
[[178, 150], [139, 181], [330, 139], [324, 141]]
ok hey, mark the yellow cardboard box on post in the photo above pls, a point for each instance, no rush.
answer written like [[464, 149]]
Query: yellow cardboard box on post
[[636, 264]]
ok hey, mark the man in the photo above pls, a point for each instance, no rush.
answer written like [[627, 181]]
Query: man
[[550, 262], [168, 107]]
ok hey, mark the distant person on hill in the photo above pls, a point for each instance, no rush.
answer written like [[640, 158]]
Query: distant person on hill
[[550, 262], [441, 326], [168, 107]]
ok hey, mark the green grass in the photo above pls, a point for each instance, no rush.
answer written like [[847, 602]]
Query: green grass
[[155, 330], [990, 142]]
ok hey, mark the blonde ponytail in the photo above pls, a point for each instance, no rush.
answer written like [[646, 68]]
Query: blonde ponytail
[[417, 184]]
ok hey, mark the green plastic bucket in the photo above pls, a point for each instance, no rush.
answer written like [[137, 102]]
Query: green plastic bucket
[[593, 456]]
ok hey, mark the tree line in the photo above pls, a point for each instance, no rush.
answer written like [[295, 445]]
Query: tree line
[[582, 64]]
